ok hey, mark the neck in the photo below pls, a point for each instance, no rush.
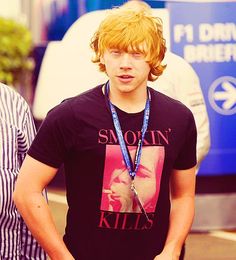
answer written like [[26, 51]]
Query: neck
[[130, 102]]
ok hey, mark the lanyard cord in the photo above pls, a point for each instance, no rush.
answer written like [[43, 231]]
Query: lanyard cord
[[132, 169]]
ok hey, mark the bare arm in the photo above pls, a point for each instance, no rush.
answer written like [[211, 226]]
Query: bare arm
[[182, 185], [33, 178]]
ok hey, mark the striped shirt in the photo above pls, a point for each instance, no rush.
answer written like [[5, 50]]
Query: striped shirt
[[17, 131]]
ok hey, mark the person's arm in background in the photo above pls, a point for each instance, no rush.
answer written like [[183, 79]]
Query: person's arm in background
[[182, 187], [33, 178], [181, 82], [192, 97]]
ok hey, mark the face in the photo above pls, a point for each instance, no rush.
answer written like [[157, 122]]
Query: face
[[127, 71], [121, 196]]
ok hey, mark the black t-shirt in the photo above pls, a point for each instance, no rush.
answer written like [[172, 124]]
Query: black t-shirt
[[104, 220]]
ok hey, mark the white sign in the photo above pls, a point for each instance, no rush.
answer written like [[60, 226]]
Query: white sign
[[222, 95]]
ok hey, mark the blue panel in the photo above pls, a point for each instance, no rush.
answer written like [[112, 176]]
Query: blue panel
[[92, 5], [205, 35]]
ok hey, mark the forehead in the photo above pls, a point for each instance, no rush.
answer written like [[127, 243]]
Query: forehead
[[142, 47]]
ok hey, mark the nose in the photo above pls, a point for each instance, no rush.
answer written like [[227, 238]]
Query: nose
[[125, 61], [122, 176]]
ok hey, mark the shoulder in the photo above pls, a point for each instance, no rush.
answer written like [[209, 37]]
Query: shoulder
[[75, 106], [169, 107], [9, 92], [163, 99], [11, 99], [4, 89], [171, 114], [90, 96]]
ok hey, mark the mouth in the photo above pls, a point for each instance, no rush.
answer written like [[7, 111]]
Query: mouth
[[125, 77], [114, 197]]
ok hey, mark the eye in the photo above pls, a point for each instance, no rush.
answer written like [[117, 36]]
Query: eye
[[137, 54], [115, 52]]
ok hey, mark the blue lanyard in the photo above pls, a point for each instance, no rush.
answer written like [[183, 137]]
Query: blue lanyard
[[132, 169]]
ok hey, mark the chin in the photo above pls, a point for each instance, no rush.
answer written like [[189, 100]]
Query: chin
[[126, 89]]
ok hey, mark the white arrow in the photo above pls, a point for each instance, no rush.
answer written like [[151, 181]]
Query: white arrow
[[229, 95]]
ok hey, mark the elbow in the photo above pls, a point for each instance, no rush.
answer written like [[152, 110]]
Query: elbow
[[18, 198]]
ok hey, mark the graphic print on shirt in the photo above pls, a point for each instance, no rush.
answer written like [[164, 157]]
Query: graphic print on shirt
[[117, 195]]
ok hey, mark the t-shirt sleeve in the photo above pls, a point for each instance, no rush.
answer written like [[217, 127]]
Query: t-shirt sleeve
[[187, 157], [54, 137]]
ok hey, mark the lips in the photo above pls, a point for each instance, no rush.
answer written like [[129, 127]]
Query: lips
[[125, 78]]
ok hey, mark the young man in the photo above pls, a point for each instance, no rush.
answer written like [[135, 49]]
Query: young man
[[17, 131], [110, 121]]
